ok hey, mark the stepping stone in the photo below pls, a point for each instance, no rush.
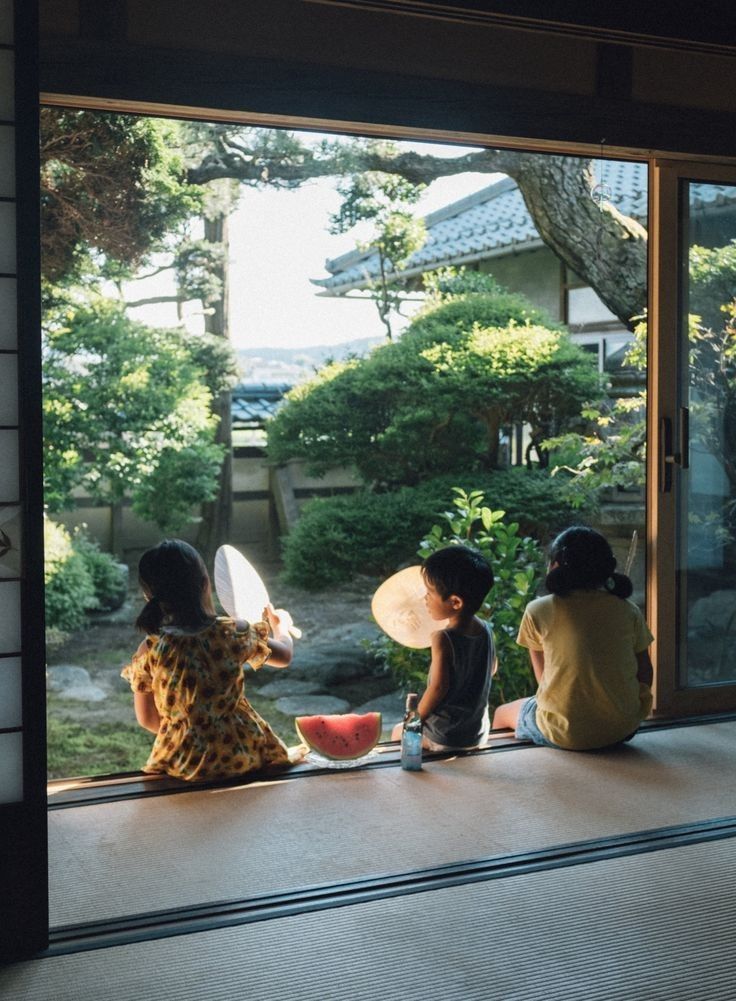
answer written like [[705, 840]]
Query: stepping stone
[[72, 682], [390, 706], [286, 686], [312, 705]]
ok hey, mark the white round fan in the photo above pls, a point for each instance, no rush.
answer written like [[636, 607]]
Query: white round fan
[[241, 590]]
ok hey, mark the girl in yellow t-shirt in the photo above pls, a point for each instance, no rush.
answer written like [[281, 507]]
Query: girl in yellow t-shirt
[[588, 646], [187, 674]]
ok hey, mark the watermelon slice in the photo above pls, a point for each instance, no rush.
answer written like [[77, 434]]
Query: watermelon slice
[[342, 737]]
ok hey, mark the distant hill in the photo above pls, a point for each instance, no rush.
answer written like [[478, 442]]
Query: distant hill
[[292, 365], [316, 354]]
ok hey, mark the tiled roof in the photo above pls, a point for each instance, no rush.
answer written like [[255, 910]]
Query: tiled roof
[[492, 222], [254, 403]]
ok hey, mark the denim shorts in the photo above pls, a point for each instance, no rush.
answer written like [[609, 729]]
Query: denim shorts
[[526, 725]]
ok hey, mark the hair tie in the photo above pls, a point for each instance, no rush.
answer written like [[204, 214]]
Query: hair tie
[[610, 584]]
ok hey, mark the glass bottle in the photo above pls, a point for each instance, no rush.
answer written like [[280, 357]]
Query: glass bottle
[[411, 735]]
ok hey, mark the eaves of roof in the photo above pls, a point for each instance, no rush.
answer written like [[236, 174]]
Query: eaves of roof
[[494, 222], [408, 273]]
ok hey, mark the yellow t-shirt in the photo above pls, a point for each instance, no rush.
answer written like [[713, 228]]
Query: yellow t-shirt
[[589, 695]]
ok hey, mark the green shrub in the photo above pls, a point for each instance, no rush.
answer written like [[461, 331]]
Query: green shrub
[[337, 538], [70, 590], [79, 579], [536, 500], [485, 309], [109, 578], [517, 562]]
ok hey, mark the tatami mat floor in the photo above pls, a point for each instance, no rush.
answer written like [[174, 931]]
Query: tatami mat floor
[[643, 928]]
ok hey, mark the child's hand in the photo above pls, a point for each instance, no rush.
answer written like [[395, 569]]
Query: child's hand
[[280, 621]]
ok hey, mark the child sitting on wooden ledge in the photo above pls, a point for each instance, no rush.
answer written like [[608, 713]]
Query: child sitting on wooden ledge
[[454, 706]]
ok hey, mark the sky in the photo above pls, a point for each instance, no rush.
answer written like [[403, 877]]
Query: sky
[[278, 241]]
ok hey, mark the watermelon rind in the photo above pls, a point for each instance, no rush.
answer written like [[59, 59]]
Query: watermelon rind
[[342, 737]]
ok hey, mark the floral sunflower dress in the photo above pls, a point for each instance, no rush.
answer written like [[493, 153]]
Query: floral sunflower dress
[[208, 728]]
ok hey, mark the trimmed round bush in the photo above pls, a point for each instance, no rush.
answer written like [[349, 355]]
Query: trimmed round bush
[[338, 538]]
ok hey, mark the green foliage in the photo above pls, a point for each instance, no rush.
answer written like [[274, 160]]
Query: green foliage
[[337, 538], [611, 452], [101, 749], [182, 478], [127, 410], [712, 283], [111, 184], [452, 283], [196, 264], [383, 200], [517, 563], [452, 310], [436, 400], [69, 586], [109, 578], [79, 578]]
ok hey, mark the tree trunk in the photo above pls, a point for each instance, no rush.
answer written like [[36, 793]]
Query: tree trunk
[[215, 526], [493, 438], [116, 530], [605, 248]]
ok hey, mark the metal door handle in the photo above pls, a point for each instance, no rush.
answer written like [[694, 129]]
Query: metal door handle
[[668, 457], [684, 438]]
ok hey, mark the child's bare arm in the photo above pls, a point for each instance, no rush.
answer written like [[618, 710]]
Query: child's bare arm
[[438, 682], [281, 644], [644, 669], [537, 659], [146, 712]]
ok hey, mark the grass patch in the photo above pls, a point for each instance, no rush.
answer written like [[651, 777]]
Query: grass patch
[[105, 747], [74, 749], [282, 725]]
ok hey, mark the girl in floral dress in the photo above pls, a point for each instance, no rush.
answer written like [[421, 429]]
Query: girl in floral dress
[[187, 674]]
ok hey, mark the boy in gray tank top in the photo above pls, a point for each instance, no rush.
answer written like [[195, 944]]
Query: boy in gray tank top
[[454, 706]]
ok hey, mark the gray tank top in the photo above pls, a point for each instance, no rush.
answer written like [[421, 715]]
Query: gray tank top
[[461, 719]]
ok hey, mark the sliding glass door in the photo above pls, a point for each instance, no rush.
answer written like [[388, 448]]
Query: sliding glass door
[[693, 468]]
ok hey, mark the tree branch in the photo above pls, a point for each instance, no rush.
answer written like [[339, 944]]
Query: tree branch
[[152, 301], [603, 247]]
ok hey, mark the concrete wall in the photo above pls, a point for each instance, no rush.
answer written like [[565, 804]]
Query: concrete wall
[[260, 512]]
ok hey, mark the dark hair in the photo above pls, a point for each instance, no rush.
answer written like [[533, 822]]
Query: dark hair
[[462, 571], [584, 560], [176, 580]]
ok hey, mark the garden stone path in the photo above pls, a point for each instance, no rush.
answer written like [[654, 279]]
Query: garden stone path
[[312, 705], [72, 682], [391, 708], [282, 687]]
